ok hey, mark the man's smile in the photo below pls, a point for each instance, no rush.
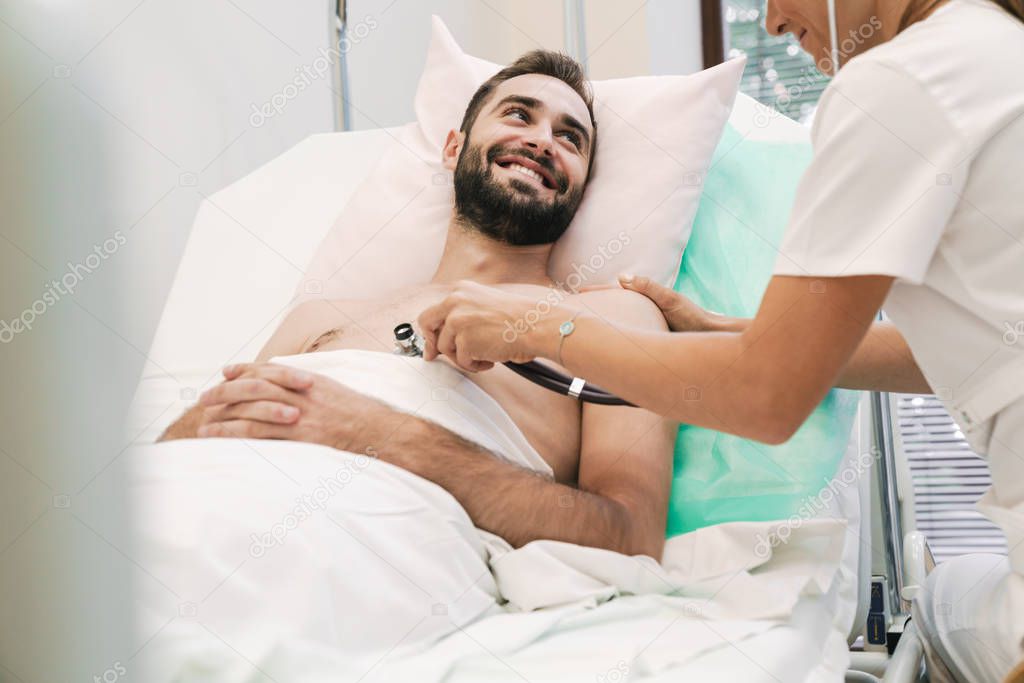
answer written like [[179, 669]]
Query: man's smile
[[522, 167]]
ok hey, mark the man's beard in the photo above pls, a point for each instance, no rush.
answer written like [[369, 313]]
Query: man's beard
[[513, 215]]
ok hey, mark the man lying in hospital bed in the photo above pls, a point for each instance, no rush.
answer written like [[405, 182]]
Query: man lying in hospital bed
[[494, 522], [521, 163]]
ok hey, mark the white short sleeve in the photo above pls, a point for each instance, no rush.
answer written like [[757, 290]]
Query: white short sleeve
[[887, 173]]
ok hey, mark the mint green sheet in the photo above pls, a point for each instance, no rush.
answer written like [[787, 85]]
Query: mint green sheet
[[726, 266]]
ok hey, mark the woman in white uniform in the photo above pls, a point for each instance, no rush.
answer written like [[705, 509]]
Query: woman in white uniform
[[914, 202]]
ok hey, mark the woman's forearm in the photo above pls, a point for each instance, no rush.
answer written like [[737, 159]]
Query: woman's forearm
[[758, 379], [882, 362], [696, 378]]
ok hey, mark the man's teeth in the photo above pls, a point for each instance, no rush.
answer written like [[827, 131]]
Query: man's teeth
[[527, 172]]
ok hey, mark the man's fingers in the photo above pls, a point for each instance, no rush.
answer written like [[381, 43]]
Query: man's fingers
[[282, 375], [233, 371], [262, 411], [246, 390], [242, 429]]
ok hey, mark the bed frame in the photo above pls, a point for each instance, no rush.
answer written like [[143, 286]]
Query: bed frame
[[894, 559]]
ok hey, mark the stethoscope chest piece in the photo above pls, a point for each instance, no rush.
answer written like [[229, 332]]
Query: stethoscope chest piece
[[407, 342]]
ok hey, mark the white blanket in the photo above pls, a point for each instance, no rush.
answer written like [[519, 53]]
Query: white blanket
[[300, 562]]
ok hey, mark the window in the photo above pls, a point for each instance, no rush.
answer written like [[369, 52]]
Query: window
[[948, 477], [778, 73]]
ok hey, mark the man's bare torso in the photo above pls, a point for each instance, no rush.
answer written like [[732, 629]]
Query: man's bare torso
[[550, 422]]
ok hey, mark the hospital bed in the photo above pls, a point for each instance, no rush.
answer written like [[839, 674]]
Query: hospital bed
[[247, 251]]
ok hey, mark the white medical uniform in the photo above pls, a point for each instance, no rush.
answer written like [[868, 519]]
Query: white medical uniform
[[918, 173]]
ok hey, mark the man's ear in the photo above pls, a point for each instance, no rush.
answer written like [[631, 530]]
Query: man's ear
[[452, 148]]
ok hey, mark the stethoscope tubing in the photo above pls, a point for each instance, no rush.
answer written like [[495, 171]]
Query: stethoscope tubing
[[560, 383], [408, 343]]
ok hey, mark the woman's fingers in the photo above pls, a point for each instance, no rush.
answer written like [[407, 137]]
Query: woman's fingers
[[431, 323], [261, 411], [463, 359], [429, 346], [663, 297], [445, 343], [597, 288], [681, 314]]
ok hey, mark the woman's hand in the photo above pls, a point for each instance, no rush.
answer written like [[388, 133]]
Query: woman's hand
[[681, 313], [477, 326]]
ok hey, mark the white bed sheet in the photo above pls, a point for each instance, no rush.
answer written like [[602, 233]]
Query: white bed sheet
[[347, 592], [807, 650]]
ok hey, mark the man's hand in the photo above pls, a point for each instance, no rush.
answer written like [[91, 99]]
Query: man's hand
[[269, 401]]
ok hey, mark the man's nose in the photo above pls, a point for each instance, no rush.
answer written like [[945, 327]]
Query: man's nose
[[540, 140], [774, 20]]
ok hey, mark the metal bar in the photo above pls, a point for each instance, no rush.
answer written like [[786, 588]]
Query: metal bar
[[881, 414], [575, 29], [339, 25]]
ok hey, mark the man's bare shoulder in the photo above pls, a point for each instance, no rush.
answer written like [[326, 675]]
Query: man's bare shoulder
[[623, 306]]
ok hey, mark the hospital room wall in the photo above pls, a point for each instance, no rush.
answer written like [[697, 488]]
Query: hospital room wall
[[390, 37], [116, 119]]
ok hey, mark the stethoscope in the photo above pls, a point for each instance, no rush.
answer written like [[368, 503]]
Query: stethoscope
[[408, 343]]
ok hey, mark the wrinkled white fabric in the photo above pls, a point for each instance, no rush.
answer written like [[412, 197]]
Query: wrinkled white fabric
[[307, 563]]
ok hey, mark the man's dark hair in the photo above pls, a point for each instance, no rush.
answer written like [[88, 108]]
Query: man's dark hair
[[545, 63]]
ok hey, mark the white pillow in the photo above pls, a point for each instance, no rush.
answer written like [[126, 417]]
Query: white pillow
[[656, 137]]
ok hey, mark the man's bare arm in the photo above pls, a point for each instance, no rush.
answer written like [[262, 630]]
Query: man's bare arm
[[501, 497], [625, 452], [184, 427]]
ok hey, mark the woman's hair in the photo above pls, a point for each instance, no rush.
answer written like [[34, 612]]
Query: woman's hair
[[1014, 7], [915, 12]]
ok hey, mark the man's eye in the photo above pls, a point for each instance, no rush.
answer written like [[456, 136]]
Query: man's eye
[[518, 113], [573, 138]]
